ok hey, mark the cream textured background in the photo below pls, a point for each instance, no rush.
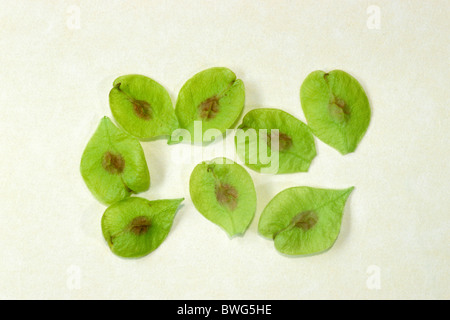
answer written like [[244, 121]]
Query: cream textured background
[[55, 82]]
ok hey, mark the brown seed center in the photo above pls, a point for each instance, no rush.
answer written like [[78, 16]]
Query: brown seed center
[[305, 220], [209, 108], [339, 110], [142, 109], [284, 141], [140, 225], [227, 195], [113, 162]]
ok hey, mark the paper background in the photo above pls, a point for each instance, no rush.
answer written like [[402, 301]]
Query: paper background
[[58, 61]]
